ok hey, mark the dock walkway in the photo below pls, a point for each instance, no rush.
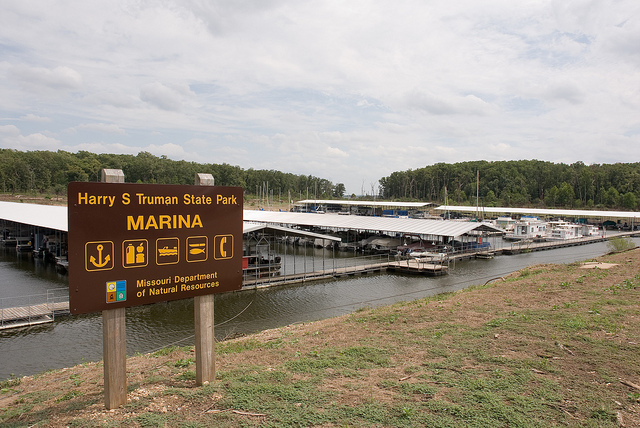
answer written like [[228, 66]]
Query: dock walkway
[[361, 265], [31, 310]]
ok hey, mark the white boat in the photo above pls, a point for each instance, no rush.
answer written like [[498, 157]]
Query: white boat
[[527, 228], [562, 230], [506, 223], [591, 230]]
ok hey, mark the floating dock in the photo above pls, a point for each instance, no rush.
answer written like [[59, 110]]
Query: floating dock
[[32, 310], [25, 316], [418, 267]]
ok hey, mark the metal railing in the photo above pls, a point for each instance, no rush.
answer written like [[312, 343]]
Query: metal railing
[[268, 273], [32, 307]]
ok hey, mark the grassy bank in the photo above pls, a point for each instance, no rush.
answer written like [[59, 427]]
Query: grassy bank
[[551, 345]]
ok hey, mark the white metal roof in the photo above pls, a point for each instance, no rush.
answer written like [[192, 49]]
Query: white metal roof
[[47, 216], [366, 203], [278, 230], [540, 211], [55, 217], [382, 224]]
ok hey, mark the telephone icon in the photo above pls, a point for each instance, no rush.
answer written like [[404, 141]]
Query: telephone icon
[[223, 245], [223, 241]]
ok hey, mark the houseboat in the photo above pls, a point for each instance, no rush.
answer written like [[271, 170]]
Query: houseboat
[[560, 230], [527, 228]]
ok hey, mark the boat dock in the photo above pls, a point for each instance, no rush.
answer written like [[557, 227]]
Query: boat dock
[[40, 309], [418, 267], [31, 310], [358, 266]]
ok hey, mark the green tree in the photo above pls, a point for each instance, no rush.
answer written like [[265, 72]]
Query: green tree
[[629, 201], [612, 198], [566, 195]]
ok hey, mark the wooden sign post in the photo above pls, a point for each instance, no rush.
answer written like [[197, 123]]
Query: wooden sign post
[[114, 337], [203, 307]]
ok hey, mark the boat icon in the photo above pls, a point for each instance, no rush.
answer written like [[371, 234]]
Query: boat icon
[[166, 251]]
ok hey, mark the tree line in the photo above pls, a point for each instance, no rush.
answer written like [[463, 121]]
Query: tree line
[[530, 183], [49, 172]]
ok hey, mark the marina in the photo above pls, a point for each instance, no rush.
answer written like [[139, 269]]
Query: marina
[[297, 267], [43, 308]]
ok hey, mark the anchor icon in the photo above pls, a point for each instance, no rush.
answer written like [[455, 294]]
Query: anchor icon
[[101, 263], [98, 255]]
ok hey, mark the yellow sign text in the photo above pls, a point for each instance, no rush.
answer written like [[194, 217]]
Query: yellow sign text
[[163, 222]]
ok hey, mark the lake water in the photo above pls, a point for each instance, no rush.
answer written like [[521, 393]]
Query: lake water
[[71, 340]]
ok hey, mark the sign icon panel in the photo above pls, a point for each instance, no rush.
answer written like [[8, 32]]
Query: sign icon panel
[[223, 247], [167, 251], [98, 255], [134, 253], [116, 291], [197, 248]]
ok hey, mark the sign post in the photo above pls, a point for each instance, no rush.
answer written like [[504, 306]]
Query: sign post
[[203, 307], [136, 244], [114, 337]]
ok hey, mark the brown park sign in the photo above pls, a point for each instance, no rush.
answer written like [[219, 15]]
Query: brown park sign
[[134, 244]]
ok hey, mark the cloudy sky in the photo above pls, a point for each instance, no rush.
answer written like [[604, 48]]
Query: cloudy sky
[[345, 90]]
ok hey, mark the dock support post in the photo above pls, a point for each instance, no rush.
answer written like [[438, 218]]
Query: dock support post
[[203, 307], [114, 336]]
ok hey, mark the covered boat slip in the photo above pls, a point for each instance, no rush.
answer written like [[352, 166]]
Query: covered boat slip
[[368, 208], [441, 231], [34, 227], [632, 217]]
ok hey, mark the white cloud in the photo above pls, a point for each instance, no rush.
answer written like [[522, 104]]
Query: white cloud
[[101, 127], [59, 78], [161, 96], [9, 130], [35, 118], [350, 90], [37, 141]]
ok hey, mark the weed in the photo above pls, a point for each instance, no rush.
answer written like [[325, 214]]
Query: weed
[[183, 362], [418, 388], [76, 379], [188, 375], [12, 382], [237, 347], [620, 243], [354, 358], [151, 420], [627, 284], [69, 395], [575, 323], [168, 350], [496, 322], [603, 415]]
